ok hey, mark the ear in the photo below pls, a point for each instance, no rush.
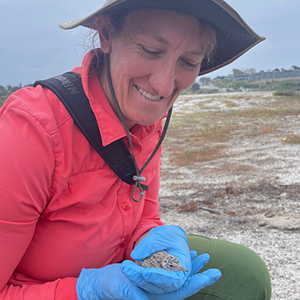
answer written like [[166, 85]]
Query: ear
[[105, 30]]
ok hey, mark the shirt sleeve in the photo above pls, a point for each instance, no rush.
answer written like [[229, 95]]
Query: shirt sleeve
[[27, 163], [60, 289]]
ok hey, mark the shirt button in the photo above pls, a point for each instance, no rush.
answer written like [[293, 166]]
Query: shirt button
[[123, 245], [126, 206]]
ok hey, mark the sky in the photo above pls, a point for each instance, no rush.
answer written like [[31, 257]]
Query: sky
[[32, 46]]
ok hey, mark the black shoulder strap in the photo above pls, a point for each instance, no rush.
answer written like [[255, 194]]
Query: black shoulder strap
[[68, 88]]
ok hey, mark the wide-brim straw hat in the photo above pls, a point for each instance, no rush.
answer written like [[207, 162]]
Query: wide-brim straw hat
[[233, 36]]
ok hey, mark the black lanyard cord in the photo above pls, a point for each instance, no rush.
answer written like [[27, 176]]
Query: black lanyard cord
[[137, 178]]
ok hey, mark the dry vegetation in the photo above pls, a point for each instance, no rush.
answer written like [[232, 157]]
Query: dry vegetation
[[231, 170], [205, 128]]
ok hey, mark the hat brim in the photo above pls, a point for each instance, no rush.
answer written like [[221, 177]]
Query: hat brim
[[233, 36]]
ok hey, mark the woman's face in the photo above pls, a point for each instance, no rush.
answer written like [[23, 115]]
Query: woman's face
[[153, 59]]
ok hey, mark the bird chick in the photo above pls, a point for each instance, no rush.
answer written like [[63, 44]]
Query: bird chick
[[161, 260]]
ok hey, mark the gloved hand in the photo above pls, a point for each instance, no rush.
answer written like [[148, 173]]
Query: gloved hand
[[149, 279], [194, 283], [107, 283], [170, 238]]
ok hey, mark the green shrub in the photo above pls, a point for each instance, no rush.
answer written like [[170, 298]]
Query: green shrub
[[284, 93]]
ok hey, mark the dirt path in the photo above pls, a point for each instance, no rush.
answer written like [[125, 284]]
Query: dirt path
[[231, 170]]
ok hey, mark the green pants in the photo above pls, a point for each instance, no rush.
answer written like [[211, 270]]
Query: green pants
[[244, 274]]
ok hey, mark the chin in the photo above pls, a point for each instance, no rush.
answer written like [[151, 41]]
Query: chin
[[148, 122]]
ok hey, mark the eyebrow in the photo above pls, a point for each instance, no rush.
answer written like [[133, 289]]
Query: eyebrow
[[165, 42], [197, 53], [160, 39]]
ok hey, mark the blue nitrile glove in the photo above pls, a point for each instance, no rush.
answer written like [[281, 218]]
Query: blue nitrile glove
[[170, 238], [107, 283], [194, 283]]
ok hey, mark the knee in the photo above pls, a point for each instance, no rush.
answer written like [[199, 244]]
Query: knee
[[246, 274], [256, 274]]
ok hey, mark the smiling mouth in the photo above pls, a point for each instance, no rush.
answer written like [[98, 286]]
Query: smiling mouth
[[147, 95]]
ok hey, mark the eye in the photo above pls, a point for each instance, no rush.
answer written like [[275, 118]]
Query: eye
[[190, 65], [149, 52]]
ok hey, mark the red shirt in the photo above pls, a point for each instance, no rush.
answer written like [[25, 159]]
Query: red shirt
[[61, 207]]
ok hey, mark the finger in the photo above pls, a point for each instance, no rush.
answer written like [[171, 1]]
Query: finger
[[193, 285], [132, 292], [204, 279], [159, 238], [144, 250], [170, 280], [134, 273], [193, 254], [199, 262], [212, 274]]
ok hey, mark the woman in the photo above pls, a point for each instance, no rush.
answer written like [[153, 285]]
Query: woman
[[70, 227]]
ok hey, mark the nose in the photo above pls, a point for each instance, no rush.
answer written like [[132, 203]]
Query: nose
[[163, 79]]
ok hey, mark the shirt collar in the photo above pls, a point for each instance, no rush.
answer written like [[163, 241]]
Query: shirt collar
[[110, 127]]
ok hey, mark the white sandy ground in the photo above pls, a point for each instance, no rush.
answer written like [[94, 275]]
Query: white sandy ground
[[249, 196]]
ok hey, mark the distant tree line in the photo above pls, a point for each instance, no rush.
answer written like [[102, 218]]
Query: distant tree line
[[228, 82], [5, 92], [251, 71]]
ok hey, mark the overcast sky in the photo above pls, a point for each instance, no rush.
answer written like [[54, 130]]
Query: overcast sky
[[32, 46]]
